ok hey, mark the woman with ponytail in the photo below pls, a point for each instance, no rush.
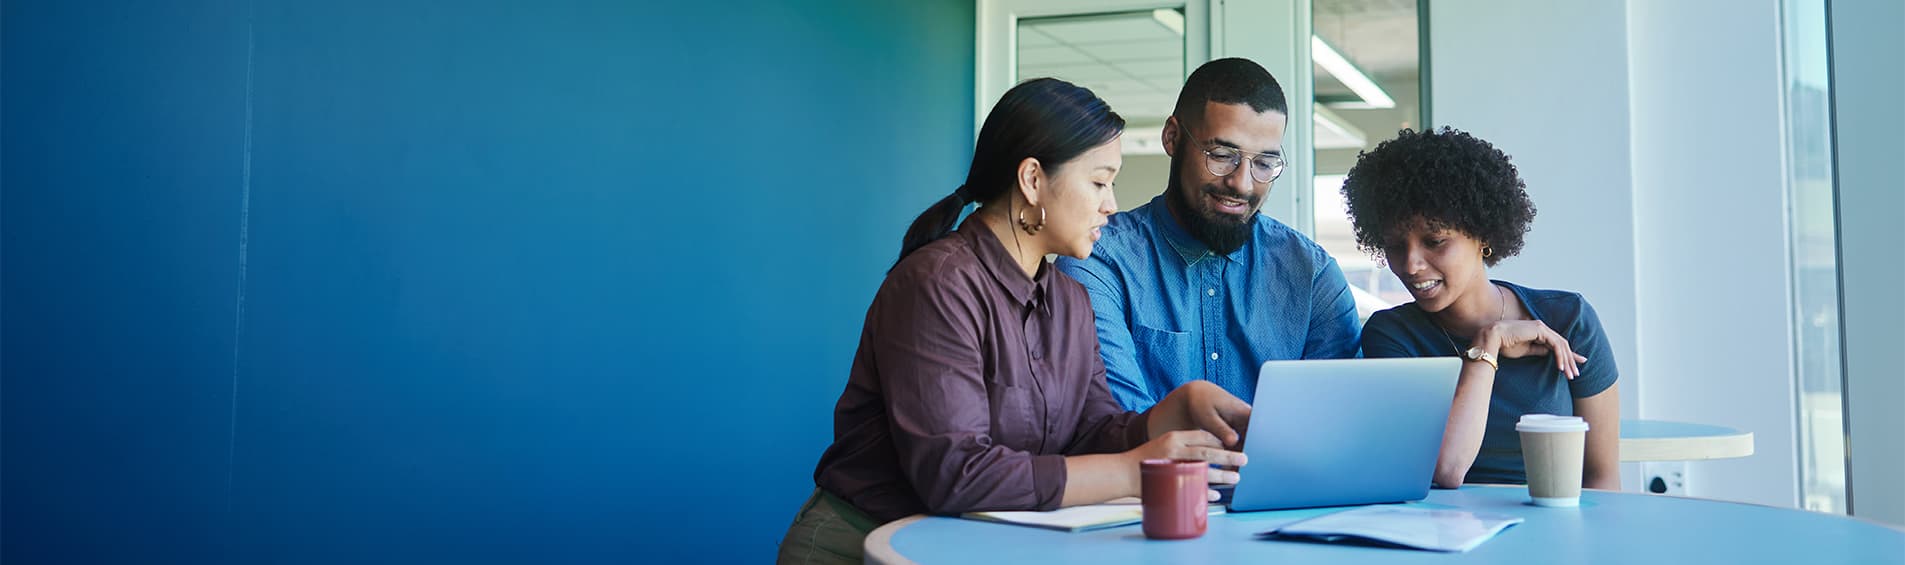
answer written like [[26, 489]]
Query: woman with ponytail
[[978, 384]]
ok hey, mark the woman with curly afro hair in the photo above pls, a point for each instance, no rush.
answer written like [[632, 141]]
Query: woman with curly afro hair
[[1440, 207]]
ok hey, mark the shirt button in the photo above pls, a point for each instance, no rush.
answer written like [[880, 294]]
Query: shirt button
[[1213, 356], [1212, 292]]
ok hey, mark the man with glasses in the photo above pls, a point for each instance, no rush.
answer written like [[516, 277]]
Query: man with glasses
[[1196, 284]]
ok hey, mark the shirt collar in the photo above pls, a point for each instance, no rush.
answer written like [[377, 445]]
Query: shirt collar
[[1181, 240], [1032, 291]]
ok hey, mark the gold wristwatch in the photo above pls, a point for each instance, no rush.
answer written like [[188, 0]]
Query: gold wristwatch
[[1476, 354]]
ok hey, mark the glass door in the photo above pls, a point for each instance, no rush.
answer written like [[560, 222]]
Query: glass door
[[1135, 61], [1134, 55], [1368, 67]]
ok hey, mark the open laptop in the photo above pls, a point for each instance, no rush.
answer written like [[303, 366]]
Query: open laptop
[[1344, 431]]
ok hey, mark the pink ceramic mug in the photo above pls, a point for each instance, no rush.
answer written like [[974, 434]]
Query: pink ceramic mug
[[1174, 492]]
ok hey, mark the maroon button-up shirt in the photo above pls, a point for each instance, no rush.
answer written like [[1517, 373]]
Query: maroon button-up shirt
[[971, 385]]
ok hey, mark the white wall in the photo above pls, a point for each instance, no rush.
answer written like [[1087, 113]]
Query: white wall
[[1867, 81], [1656, 159], [1710, 203], [1547, 83]]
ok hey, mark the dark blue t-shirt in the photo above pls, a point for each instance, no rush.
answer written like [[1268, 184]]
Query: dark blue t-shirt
[[1529, 385]]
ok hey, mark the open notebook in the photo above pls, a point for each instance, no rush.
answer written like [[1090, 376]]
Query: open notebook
[[1120, 512]]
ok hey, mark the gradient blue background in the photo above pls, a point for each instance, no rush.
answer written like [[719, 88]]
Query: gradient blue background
[[411, 281]]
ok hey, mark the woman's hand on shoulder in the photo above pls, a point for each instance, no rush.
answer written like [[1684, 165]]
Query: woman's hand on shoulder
[[1528, 338]]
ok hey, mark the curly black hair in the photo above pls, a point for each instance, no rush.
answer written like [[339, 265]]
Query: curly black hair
[[1445, 177]]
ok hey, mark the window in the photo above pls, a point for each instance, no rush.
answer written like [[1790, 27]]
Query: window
[[1132, 59], [1367, 65], [1815, 272]]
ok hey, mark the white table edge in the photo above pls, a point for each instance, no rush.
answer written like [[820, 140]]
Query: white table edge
[[879, 543], [1687, 448]]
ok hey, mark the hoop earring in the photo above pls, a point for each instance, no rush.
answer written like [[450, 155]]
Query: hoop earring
[[1487, 251], [1032, 229]]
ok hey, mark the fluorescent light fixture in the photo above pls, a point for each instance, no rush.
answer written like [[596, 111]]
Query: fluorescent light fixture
[[1347, 73], [1170, 19], [1334, 132]]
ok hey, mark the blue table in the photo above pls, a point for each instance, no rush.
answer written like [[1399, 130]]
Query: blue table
[[1609, 527], [1659, 440]]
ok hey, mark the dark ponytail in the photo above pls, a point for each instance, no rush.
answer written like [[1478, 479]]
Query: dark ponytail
[[1046, 119]]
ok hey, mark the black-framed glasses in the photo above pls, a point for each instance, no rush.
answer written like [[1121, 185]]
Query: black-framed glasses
[[1222, 161]]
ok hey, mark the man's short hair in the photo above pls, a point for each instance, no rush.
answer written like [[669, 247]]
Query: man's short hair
[[1229, 81]]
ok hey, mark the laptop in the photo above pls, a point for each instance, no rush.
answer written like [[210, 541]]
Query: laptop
[[1344, 431]]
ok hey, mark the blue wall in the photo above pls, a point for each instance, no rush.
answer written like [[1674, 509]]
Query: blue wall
[[312, 282]]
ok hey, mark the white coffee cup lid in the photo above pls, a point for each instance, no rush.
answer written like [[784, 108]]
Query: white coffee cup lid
[[1550, 423]]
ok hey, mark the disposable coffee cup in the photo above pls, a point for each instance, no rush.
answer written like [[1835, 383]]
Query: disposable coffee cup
[[1173, 493], [1552, 449]]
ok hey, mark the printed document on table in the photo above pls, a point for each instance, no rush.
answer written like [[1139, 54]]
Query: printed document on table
[[1434, 529]]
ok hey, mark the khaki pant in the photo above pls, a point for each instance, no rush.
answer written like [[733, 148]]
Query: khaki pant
[[827, 530]]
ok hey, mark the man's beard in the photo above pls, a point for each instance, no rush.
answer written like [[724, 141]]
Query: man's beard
[[1221, 233]]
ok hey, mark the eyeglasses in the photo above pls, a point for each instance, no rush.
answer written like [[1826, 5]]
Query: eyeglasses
[[1222, 161]]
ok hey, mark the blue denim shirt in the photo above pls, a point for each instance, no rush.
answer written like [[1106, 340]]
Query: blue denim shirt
[[1170, 311]]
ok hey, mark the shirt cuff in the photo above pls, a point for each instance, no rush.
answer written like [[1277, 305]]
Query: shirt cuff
[[1048, 481], [1137, 430]]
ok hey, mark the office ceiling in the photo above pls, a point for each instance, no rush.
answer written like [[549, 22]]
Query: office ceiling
[[1134, 60], [1379, 36]]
